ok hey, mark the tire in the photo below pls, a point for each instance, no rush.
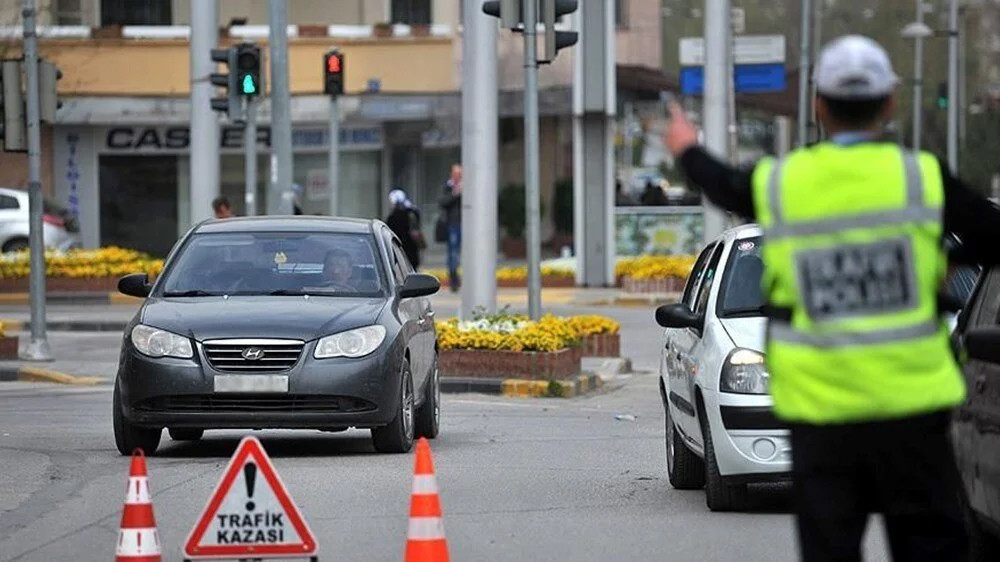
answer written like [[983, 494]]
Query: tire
[[15, 245], [428, 418], [397, 437], [178, 434], [129, 437], [685, 470], [719, 496]]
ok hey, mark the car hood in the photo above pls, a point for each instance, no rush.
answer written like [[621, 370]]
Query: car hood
[[205, 318], [746, 332]]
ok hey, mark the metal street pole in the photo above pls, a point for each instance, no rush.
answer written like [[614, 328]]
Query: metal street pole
[[963, 80], [38, 348], [804, 65], [718, 77], [333, 157], [250, 161], [479, 159], [281, 108], [953, 86], [531, 148], [918, 79], [204, 126]]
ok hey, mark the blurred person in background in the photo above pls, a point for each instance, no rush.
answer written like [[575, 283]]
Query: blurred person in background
[[404, 222], [222, 208], [451, 213]]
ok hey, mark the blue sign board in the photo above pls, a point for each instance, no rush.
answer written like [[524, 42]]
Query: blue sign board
[[749, 78]]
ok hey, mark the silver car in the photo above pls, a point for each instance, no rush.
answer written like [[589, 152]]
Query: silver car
[[720, 430], [60, 229]]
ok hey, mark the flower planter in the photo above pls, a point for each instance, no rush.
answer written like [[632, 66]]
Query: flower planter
[[107, 32], [382, 31], [514, 248], [602, 345], [420, 30], [8, 347], [313, 30], [533, 365], [548, 282], [63, 284], [658, 285]]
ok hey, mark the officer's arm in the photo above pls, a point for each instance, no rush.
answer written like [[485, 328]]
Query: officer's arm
[[974, 219], [724, 185]]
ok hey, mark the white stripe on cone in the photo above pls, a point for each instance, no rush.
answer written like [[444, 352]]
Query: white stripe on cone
[[138, 491], [138, 542], [424, 484], [426, 529]]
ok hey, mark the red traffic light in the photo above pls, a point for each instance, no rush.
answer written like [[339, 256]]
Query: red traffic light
[[333, 63]]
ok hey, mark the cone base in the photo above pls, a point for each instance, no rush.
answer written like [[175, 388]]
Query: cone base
[[427, 551], [152, 558]]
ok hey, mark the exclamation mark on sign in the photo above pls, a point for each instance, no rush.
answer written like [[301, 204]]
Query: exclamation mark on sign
[[250, 475]]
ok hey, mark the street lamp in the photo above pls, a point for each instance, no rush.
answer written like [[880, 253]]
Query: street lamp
[[918, 31]]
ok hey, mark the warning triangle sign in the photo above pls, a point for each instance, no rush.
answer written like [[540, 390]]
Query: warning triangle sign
[[250, 514]]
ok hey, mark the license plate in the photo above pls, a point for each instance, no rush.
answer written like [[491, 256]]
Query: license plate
[[858, 280], [251, 383]]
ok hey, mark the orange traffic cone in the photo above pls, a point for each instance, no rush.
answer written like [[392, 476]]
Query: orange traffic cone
[[138, 540], [425, 540]]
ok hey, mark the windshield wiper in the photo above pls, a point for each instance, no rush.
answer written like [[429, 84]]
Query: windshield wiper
[[745, 311], [191, 293], [287, 293]]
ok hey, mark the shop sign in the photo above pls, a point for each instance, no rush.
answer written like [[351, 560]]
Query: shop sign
[[145, 139]]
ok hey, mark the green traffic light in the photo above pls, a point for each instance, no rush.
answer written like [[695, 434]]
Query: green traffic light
[[943, 103], [249, 86]]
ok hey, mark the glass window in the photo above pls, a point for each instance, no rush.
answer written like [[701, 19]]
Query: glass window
[[707, 280], [741, 293], [8, 202], [411, 11], [131, 12], [988, 306], [286, 263], [404, 262], [359, 179], [690, 289], [67, 12], [621, 13]]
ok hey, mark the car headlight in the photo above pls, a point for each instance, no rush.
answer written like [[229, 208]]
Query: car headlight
[[352, 343], [745, 373], [155, 342]]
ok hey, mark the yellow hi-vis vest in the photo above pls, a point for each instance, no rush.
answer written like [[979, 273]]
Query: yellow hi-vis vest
[[852, 247]]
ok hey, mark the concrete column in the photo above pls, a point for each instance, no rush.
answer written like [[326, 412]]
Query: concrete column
[[204, 123]]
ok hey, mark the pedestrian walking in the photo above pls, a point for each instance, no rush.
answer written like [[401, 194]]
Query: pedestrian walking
[[404, 222], [223, 209], [451, 214], [857, 350]]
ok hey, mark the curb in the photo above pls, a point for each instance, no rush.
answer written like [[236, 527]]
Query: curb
[[35, 374], [71, 298], [67, 326], [522, 388]]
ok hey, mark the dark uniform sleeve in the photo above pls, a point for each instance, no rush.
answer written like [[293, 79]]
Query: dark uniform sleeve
[[725, 186], [974, 219]]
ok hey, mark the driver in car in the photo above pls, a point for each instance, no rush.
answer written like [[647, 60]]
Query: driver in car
[[337, 270]]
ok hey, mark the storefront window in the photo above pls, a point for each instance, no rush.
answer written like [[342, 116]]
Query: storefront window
[[359, 182]]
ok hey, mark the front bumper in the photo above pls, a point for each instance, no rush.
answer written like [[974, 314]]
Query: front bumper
[[322, 394], [750, 444]]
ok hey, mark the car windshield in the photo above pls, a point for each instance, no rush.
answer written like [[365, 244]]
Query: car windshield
[[741, 293], [324, 264]]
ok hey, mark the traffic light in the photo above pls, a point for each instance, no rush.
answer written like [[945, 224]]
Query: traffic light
[[48, 91], [555, 40], [14, 130], [248, 75], [509, 12], [231, 104], [942, 96], [333, 73]]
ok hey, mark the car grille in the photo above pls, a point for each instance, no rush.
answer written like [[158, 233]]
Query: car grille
[[266, 356], [314, 403]]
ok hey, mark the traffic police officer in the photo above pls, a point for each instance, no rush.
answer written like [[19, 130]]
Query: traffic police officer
[[859, 357]]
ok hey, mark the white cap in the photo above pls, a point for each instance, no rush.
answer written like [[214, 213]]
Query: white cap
[[854, 67]]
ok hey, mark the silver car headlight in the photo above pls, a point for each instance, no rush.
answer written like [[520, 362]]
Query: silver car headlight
[[155, 342], [745, 373], [352, 343]]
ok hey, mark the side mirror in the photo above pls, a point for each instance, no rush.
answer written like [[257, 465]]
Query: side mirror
[[419, 285], [135, 285], [983, 344], [678, 315]]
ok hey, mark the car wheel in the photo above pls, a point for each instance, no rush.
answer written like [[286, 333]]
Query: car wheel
[[428, 422], [15, 245], [718, 495], [397, 437], [685, 469], [178, 434], [129, 437]]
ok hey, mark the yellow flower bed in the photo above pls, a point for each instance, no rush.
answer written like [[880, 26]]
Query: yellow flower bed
[[655, 267], [514, 273], [517, 333], [78, 264]]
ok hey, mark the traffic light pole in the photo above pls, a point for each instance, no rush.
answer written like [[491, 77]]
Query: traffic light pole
[[281, 110], [531, 148], [38, 348], [953, 86], [718, 78], [250, 161], [333, 160]]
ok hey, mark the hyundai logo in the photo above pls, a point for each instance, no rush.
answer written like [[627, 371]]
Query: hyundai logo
[[253, 353]]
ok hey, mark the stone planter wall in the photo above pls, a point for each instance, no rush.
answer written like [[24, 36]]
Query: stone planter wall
[[63, 284], [8, 347], [602, 345], [533, 365], [661, 285]]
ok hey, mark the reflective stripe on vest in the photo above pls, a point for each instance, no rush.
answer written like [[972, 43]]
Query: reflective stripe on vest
[[783, 332]]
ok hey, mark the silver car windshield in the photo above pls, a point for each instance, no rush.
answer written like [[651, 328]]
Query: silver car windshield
[[741, 291], [324, 264]]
